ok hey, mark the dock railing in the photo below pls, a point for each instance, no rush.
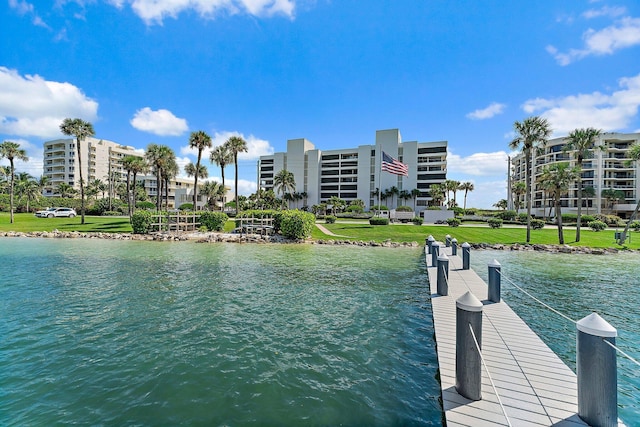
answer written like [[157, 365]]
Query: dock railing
[[595, 342]]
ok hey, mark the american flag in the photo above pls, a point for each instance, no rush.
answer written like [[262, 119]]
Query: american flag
[[391, 165]]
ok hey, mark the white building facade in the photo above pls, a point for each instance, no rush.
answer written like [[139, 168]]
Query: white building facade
[[102, 159], [355, 173], [607, 167]]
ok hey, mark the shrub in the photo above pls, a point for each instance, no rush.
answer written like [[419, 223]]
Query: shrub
[[145, 205], [597, 225], [404, 209], [186, 207], [569, 217], [607, 219], [585, 219], [506, 215], [379, 221], [495, 222], [453, 222], [111, 213], [522, 217], [213, 221], [141, 222], [297, 224], [379, 208], [329, 219], [471, 211], [355, 209], [635, 225], [434, 208], [537, 224], [417, 220], [458, 211]]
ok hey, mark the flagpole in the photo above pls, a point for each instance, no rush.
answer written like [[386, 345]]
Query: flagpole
[[379, 180]]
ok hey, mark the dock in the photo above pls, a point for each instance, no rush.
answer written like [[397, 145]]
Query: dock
[[536, 388]]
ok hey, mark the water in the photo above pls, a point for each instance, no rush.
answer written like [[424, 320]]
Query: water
[[577, 285], [148, 333]]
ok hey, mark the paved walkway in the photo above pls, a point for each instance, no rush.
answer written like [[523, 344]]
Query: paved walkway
[[327, 232], [535, 386]]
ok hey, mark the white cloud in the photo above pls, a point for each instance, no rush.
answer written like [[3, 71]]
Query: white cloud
[[155, 11], [245, 187], [256, 147], [485, 194], [623, 34], [613, 12], [21, 7], [493, 109], [160, 122], [33, 106], [35, 154], [477, 164], [608, 112]]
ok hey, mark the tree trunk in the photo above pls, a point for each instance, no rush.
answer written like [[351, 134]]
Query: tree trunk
[[81, 181], [623, 236], [528, 176], [11, 192], [559, 221], [579, 219]]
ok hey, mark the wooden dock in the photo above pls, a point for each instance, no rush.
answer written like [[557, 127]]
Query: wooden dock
[[535, 386]]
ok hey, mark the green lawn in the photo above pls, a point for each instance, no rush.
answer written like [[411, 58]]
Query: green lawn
[[473, 234], [359, 230], [28, 222]]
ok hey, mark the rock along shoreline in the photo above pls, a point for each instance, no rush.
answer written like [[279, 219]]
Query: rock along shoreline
[[212, 237]]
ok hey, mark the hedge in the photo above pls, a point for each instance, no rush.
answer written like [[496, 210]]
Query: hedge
[[495, 222], [141, 222], [453, 222], [597, 225], [214, 221], [329, 219], [379, 221], [296, 224]]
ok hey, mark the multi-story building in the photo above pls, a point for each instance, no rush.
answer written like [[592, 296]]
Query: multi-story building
[[606, 168], [102, 159], [355, 173]]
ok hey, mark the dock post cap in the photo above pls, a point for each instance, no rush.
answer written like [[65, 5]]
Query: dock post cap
[[431, 238], [466, 245], [454, 240], [447, 236], [443, 257], [469, 302], [494, 263], [593, 324]]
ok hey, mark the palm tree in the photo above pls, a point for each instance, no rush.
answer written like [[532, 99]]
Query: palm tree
[[501, 204], [404, 196], [452, 186], [611, 196], [198, 140], [12, 151], [169, 172], [213, 190], [65, 190], [30, 190], [159, 157], [393, 192], [81, 130], [581, 141], [197, 172], [437, 192], [336, 204], [236, 145], [588, 193], [519, 189], [136, 166], [556, 179], [221, 156], [466, 187], [284, 182], [414, 194], [531, 133], [634, 156]]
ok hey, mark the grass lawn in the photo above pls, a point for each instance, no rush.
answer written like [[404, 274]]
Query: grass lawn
[[473, 234], [353, 230], [26, 222]]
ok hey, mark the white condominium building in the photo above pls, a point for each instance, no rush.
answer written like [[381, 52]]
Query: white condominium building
[[606, 168], [102, 159], [355, 173]]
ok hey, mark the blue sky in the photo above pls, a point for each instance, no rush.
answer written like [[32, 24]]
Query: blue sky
[[331, 71]]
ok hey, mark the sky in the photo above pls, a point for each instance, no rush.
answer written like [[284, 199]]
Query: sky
[[331, 71]]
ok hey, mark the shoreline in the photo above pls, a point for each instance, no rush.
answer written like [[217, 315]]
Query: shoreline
[[215, 237]]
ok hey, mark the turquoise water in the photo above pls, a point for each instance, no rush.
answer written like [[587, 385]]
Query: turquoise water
[[97, 332], [577, 285]]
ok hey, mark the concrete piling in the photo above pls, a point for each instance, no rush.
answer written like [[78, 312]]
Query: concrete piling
[[466, 256], [468, 360], [494, 281], [443, 275]]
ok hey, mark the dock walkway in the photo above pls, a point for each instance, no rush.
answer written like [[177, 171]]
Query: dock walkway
[[535, 386]]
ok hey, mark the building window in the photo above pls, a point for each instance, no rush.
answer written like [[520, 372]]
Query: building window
[[432, 150], [331, 157]]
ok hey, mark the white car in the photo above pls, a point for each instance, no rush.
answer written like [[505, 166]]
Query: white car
[[56, 212]]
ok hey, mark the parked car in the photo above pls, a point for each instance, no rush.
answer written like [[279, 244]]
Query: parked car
[[56, 212]]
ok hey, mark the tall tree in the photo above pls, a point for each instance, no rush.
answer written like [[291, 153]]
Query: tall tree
[[236, 145], [581, 142], [531, 133], [11, 151], [437, 192], [519, 189], [159, 157], [127, 161], [414, 194], [556, 179], [81, 130], [466, 187], [197, 172], [213, 190], [198, 140], [169, 172], [221, 156], [588, 193], [29, 189], [284, 182], [65, 190], [393, 192], [634, 157]]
